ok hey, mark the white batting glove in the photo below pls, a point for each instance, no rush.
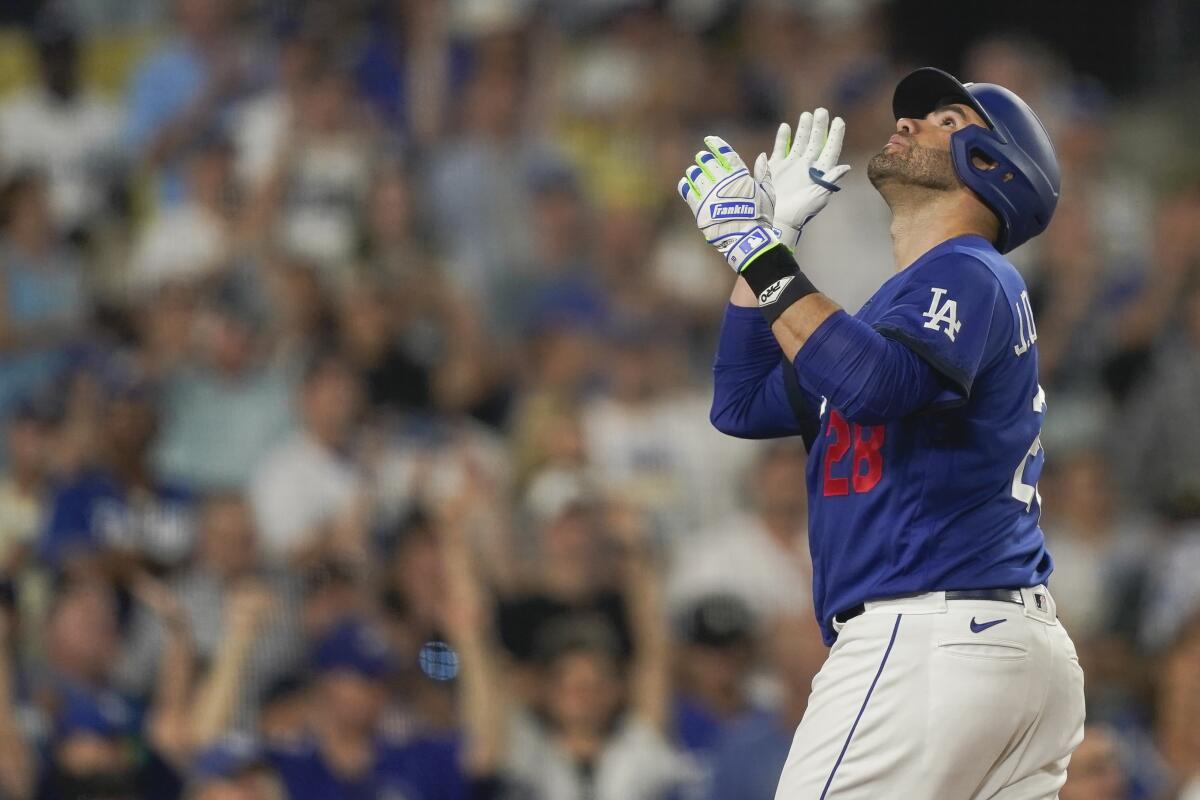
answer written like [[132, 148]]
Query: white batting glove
[[732, 209], [802, 172]]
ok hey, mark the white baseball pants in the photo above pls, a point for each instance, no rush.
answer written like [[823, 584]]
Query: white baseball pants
[[924, 698]]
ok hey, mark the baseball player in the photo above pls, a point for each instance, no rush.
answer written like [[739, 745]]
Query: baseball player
[[949, 675]]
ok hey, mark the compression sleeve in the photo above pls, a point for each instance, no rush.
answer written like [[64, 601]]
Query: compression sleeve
[[755, 394], [868, 377]]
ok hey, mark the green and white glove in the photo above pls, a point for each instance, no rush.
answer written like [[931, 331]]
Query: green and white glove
[[802, 172], [732, 209]]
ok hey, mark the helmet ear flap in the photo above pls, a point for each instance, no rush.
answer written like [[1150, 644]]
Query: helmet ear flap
[[982, 162], [979, 159]]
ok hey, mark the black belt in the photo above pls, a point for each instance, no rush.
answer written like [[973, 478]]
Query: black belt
[[1000, 595]]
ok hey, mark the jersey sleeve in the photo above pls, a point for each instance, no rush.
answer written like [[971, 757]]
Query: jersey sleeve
[[755, 396], [946, 315]]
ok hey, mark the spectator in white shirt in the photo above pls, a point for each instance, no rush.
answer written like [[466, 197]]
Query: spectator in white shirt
[[308, 495], [62, 130], [761, 555]]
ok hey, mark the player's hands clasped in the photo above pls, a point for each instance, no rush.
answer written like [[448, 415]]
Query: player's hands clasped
[[802, 171], [731, 207]]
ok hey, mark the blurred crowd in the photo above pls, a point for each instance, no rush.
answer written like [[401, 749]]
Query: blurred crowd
[[354, 383]]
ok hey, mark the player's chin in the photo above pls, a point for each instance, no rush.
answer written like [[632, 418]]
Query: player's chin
[[886, 166]]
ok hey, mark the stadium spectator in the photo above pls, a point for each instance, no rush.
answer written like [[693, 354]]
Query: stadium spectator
[[648, 437], [411, 66], [43, 297], [227, 561], [598, 727], [571, 577], [750, 756], [193, 240], [347, 753], [90, 725], [1102, 552], [233, 768], [759, 555], [319, 182], [63, 130], [1162, 448], [227, 401], [400, 373], [489, 157], [259, 124], [716, 652], [117, 505], [307, 493], [183, 88]]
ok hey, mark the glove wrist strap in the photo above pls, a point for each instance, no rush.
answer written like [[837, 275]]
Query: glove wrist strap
[[776, 282]]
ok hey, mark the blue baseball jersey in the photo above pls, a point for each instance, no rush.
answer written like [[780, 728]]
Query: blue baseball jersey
[[944, 498], [419, 769]]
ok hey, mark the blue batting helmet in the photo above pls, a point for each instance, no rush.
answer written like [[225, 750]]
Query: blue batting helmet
[[1022, 188]]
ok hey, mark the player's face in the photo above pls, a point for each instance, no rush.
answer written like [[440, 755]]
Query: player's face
[[918, 154]]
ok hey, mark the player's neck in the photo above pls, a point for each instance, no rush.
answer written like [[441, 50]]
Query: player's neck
[[919, 226]]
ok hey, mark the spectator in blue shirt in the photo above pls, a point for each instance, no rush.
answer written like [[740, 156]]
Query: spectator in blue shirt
[[118, 505], [347, 753], [91, 753], [747, 761], [182, 89], [99, 744], [234, 767], [715, 659], [43, 304]]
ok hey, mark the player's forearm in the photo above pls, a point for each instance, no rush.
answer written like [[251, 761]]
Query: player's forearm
[[750, 399], [742, 295], [790, 304]]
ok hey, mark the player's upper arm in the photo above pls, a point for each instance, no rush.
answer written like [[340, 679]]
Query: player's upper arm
[[947, 316]]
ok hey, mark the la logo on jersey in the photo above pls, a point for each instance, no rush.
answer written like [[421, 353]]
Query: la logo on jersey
[[947, 314]]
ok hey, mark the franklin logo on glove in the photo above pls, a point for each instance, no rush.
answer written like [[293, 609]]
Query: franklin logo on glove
[[734, 210]]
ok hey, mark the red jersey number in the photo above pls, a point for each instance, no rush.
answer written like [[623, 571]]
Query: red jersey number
[[866, 462]]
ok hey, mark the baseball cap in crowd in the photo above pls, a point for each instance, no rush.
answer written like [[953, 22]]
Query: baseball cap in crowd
[[229, 757], [580, 633], [355, 646], [717, 620], [106, 714]]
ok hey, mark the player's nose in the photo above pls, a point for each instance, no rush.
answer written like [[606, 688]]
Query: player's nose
[[905, 125]]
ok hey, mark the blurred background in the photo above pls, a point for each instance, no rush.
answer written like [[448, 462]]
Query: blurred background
[[354, 384]]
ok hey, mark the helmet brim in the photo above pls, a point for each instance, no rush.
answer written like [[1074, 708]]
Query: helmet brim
[[928, 88]]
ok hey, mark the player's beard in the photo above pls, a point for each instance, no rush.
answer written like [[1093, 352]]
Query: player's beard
[[912, 166]]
